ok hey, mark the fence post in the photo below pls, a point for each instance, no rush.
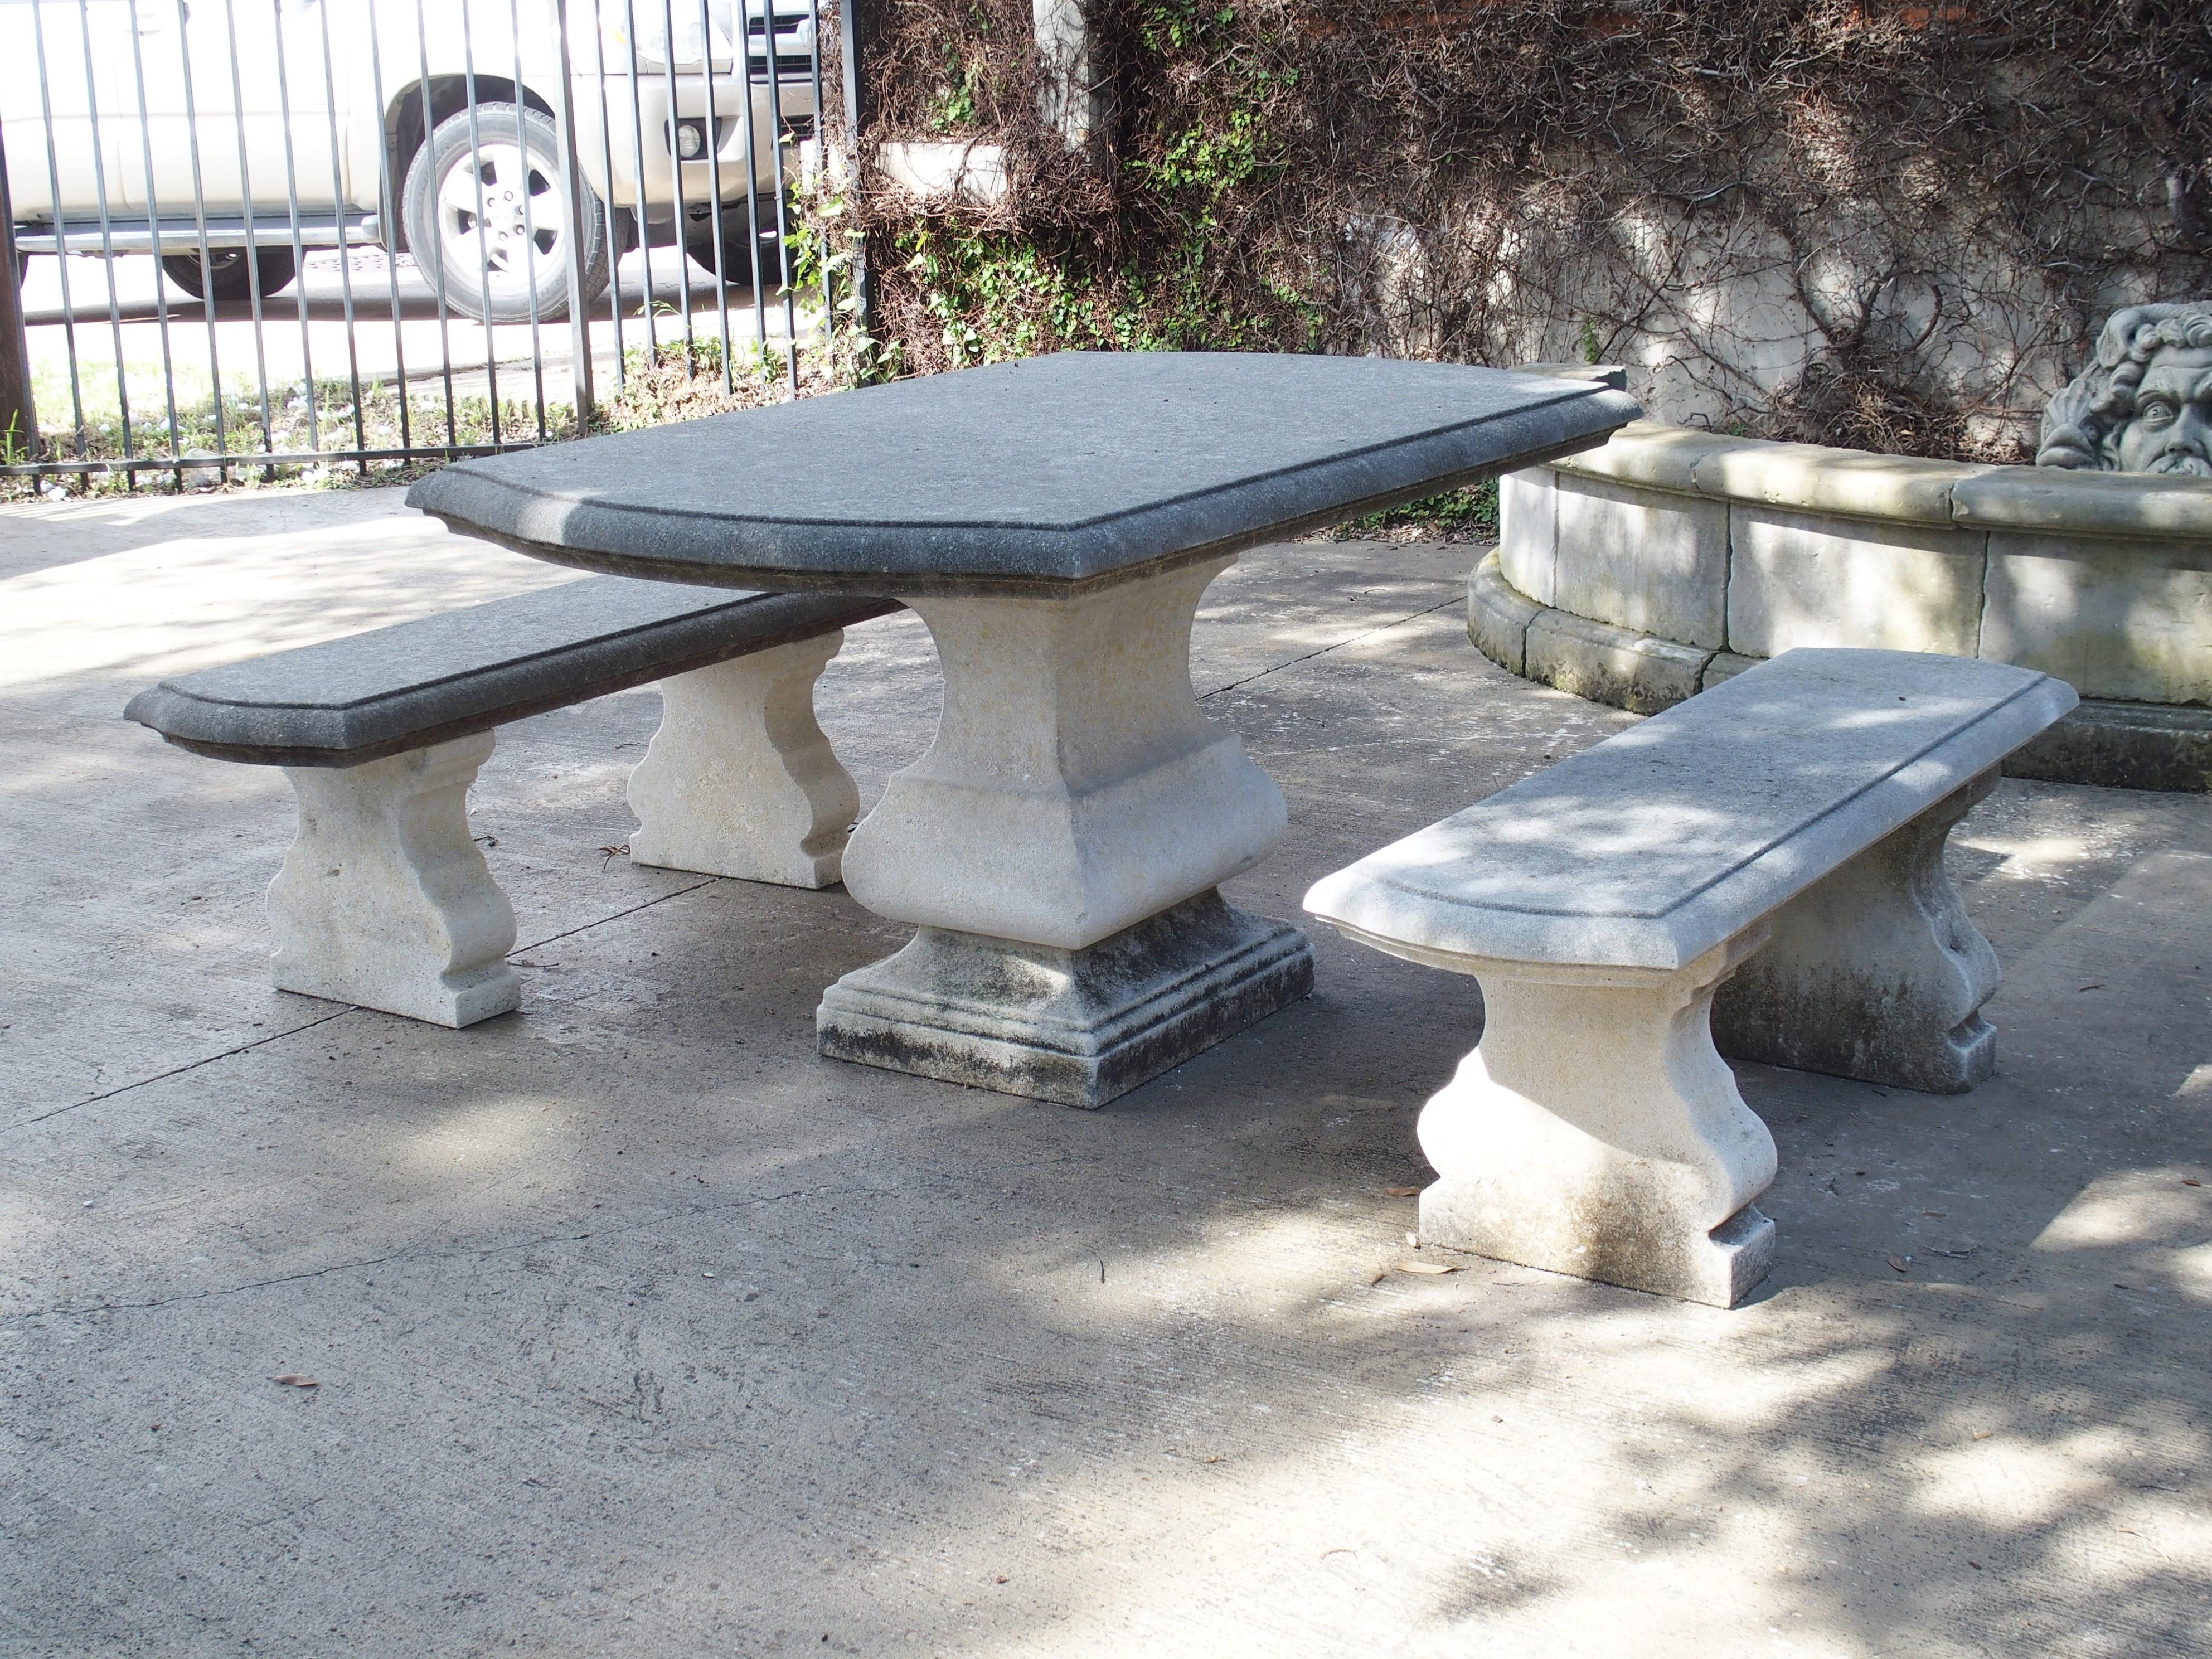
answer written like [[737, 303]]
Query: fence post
[[579, 316], [856, 35], [18, 419]]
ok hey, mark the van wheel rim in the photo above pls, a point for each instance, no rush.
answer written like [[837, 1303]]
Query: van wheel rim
[[483, 226]]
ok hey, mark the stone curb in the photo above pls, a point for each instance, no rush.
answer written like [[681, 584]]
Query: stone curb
[[2114, 745], [1895, 488]]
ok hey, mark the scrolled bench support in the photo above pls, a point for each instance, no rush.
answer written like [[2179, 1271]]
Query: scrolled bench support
[[1875, 972], [739, 780], [384, 899], [1638, 1169]]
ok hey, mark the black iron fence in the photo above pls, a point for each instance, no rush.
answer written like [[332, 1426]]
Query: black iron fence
[[251, 233]]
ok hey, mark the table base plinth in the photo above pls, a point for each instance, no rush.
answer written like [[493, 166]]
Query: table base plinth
[[1079, 1027]]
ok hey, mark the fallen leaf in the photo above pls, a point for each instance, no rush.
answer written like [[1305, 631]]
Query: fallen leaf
[[1426, 1268], [2190, 1180], [1401, 1192], [1898, 1262], [294, 1380], [1000, 1579]]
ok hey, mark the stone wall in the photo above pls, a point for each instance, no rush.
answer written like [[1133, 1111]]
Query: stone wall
[[1895, 227], [1639, 573]]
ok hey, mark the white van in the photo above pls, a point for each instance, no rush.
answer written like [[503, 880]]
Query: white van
[[224, 134]]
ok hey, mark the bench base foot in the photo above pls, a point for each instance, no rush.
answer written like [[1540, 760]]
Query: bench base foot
[[384, 900], [1875, 972], [1079, 1027], [1596, 1132], [739, 780]]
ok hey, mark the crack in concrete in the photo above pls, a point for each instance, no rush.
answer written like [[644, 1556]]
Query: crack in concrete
[[482, 1253], [189, 1066], [601, 922], [1364, 634], [349, 1008]]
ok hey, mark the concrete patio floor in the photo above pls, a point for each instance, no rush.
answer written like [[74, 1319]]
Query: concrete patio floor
[[639, 1329]]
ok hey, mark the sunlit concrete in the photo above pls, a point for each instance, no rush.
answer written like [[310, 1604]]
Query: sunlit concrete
[[154, 329], [640, 1329]]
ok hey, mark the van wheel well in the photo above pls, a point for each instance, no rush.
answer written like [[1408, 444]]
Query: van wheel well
[[405, 132]]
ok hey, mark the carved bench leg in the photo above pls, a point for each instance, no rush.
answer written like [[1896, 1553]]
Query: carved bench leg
[[384, 900], [1875, 972], [739, 780], [1596, 1132]]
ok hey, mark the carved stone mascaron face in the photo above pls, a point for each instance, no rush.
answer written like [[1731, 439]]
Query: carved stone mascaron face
[[2171, 431]]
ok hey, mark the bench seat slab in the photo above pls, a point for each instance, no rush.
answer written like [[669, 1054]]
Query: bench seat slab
[[739, 780], [384, 900], [1637, 1169], [1875, 972]]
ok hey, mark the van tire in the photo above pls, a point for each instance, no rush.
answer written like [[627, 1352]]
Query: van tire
[[467, 229], [226, 274]]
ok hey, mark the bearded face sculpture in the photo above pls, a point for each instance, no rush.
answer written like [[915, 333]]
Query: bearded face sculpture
[[2145, 403]]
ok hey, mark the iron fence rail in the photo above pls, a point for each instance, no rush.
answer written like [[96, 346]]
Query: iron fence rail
[[507, 186]]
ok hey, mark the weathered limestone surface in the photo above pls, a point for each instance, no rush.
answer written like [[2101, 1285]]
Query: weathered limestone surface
[[2133, 619], [1649, 560], [1528, 532], [739, 780], [1596, 1130], [1498, 617], [1076, 1026], [1874, 972], [2102, 578], [1637, 672], [1640, 1170], [2139, 405], [1802, 580], [385, 900], [1051, 844]]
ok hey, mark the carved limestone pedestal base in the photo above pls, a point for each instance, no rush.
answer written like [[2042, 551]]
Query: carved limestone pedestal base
[[384, 900], [1874, 972], [1597, 1132], [739, 780], [1079, 1027], [1059, 847]]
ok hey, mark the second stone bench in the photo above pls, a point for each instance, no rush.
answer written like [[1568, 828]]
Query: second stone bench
[[384, 900], [1777, 841]]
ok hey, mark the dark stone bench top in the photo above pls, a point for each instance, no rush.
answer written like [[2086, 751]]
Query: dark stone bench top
[[1653, 846], [1049, 475], [348, 701]]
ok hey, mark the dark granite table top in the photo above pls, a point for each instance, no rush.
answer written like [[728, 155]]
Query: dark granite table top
[[1051, 475]]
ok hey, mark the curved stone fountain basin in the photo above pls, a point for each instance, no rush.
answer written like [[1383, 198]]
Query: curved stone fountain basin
[[1639, 573]]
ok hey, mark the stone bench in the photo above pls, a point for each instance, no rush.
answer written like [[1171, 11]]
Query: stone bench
[[384, 899], [1778, 839]]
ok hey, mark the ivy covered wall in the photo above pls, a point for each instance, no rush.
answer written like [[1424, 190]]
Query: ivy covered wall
[[1894, 227]]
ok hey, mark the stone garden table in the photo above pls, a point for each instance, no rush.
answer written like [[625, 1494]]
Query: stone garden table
[[1053, 521]]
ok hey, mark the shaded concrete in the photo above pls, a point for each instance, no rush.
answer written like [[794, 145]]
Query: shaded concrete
[[972, 1375]]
